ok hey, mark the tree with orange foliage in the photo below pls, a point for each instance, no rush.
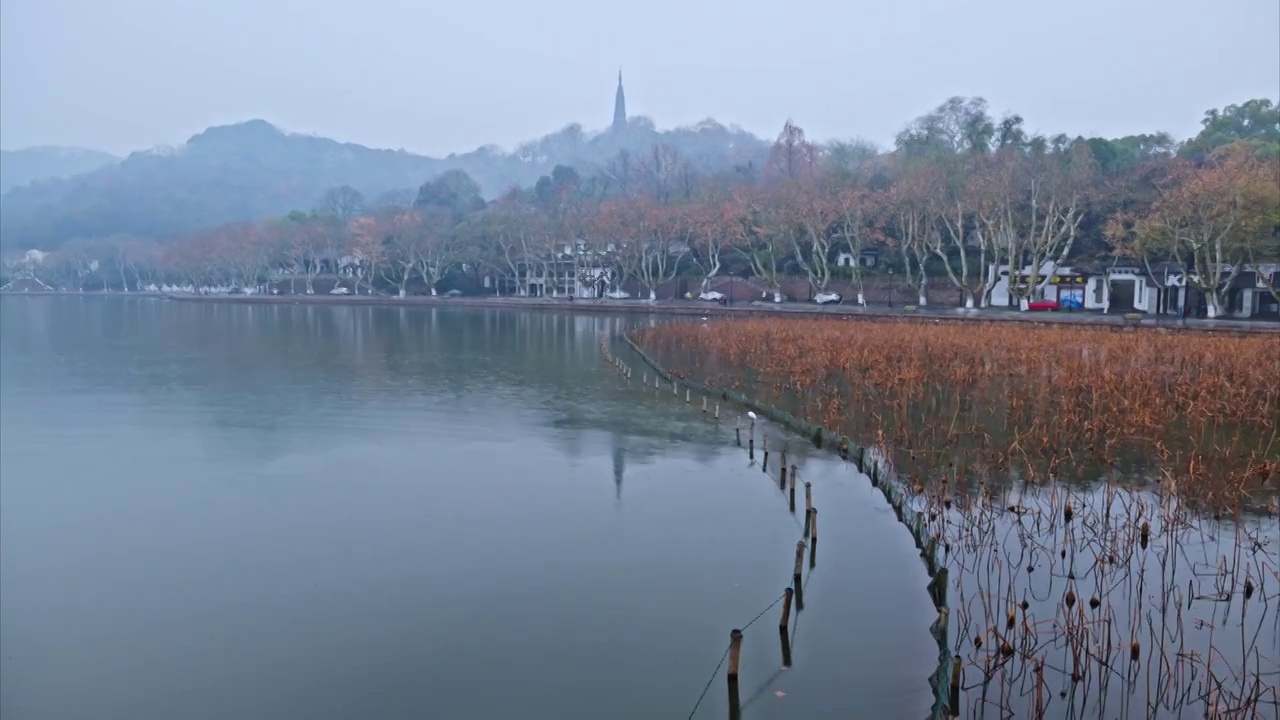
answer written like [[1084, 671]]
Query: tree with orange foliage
[[515, 226], [711, 223], [659, 240], [243, 255], [365, 252], [792, 159], [620, 224], [1212, 218], [762, 236], [809, 214]]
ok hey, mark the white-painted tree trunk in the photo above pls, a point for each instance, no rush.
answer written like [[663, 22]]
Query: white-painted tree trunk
[[862, 300], [653, 295], [923, 300]]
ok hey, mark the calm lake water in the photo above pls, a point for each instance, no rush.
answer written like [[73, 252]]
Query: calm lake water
[[215, 511]]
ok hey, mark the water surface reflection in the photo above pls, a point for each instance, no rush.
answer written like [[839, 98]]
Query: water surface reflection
[[296, 511]]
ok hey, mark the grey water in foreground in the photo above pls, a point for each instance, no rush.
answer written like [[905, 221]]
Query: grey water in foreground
[[213, 511]]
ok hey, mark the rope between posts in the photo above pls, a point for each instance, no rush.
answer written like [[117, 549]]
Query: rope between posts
[[720, 664], [803, 539], [710, 680]]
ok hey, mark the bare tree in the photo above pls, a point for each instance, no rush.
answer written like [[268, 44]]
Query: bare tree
[[437, 246], [956, 207], [914, 224], [855, 226], [809, 215], [1055, 188], [344, 202], [762, 238], [661, 171], [792, 158], [623, 172]]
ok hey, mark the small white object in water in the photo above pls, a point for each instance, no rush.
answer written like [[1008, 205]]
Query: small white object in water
[[751, 415]]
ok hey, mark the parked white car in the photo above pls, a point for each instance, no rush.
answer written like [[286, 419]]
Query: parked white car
[[826, 298], [712, 296], [339, 290], [617, 294]]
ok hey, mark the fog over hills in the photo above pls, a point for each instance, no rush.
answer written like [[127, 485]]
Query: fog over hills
[[253, 169], [27, 165]]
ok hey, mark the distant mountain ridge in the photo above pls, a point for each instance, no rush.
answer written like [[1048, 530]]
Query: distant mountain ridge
[[252, 170], [48, 162]]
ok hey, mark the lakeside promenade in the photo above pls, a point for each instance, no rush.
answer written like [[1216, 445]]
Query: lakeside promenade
[[698, 308]]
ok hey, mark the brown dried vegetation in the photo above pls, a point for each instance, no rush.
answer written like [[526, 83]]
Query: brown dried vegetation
[[1104, 500], [1015, 400]]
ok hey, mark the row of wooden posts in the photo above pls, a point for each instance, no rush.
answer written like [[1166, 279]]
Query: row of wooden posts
[[786, 482], [881, 478], [625, 370]]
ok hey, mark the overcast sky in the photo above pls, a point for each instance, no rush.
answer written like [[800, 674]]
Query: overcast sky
[[440, 77]]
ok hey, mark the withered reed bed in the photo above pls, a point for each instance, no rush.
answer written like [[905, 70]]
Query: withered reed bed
[[1105, 500], [989, 399]]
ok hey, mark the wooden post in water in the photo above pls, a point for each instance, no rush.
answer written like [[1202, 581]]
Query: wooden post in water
[[797, 581], [808, 496], [751, 448], [955, 687], [675, 389], [813, 537], [782, 472], [784, 458], [737, 436], [940, 587], [783, 626], [791, 500], [735, 654], [688, 395], [704, 403], [718, 414], [765, 467]]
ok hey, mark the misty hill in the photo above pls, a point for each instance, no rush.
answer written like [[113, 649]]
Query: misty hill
[[253, 170], [21, 167]]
